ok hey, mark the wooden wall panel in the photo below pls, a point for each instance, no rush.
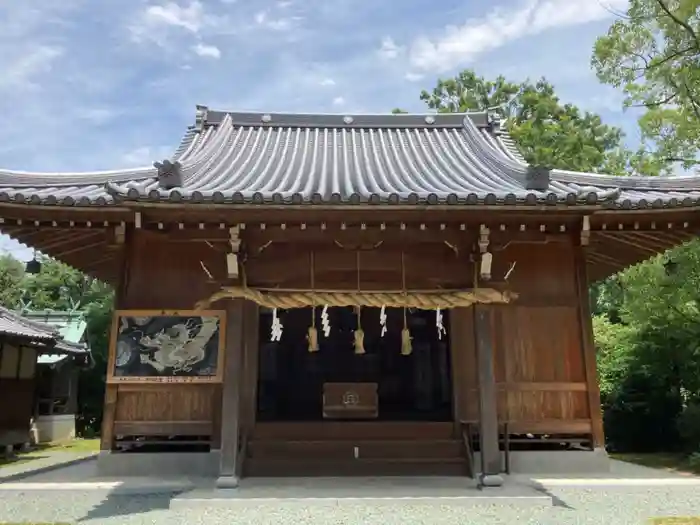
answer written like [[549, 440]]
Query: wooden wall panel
[[16, 403], [180, 402], [539, 365], [163, 275]]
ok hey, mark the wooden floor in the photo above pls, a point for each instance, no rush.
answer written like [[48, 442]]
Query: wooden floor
[[354, 448]]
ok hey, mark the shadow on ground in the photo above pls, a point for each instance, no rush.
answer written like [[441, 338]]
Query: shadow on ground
[[119, 503]]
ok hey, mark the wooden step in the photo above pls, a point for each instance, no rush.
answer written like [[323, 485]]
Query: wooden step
[[349, 430], [355, 467], [363, 449]]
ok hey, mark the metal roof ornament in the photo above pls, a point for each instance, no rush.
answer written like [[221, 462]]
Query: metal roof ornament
[[201, 117], [169, 174], [670, 267], [33, 267]]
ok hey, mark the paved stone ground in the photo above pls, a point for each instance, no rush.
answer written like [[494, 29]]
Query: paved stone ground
[[51, 460], [609, 505]]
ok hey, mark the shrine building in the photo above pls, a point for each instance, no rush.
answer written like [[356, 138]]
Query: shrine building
[[303, 294]]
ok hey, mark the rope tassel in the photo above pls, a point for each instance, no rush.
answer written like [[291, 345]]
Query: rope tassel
[[312, 333], [406, 345], [359, 333]]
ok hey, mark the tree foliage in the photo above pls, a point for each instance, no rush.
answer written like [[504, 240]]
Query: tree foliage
[[549, 133], [653, 54]]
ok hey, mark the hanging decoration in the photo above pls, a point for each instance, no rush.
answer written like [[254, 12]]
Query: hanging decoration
[[406, 346], [439, 324], [325, 321], [382, 320], [276, 327], [359, 333], [285, 298], [312, 335]]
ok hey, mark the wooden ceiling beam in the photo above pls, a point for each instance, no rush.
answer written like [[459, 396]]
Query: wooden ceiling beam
[[625, 239]]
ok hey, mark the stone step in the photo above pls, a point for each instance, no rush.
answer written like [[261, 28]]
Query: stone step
[[356, 449], [269, 467]]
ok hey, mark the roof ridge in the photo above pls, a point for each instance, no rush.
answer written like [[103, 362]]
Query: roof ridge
[[207, 117], [50, 331]]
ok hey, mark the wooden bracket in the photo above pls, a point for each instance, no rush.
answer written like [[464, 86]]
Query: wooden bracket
[[120, 233], [232, 258], [486, 257], [586, 230]]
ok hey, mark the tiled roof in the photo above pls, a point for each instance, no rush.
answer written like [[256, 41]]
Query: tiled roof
[[37, 334], [334, 159]]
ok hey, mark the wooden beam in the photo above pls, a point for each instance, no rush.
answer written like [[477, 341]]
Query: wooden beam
[[230, 403], [488, 414], [629, 241], [588, 349]]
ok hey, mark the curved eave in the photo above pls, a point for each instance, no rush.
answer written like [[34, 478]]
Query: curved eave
[[93, 251], [610, 252]]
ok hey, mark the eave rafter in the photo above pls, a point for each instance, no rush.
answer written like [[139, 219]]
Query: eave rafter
[[93, 247], [616, 246]]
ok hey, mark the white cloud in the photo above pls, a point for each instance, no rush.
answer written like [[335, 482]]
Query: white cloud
[[339, 101], [388, 49], [327, 82], [461, 45], [263, 19], [413, 77], [190, 18], [146, 156], [20, 71], [206, 51], [98, 116]]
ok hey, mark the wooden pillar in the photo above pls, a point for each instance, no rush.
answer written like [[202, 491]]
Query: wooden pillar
[[588, 349], [230, 403], [112, 390], [488, 414], [249, 381]]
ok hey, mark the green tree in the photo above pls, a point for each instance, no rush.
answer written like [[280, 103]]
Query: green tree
[[653, 53], [547, 131], [11, 273]]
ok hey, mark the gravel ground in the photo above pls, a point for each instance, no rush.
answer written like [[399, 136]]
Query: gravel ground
[[609, 506], [573, 505]]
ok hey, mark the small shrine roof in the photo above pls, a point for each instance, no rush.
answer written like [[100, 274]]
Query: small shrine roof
[[35, 333], [296, 159]]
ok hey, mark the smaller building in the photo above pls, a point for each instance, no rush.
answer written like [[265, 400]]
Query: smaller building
[[23, 342], [57, 376]]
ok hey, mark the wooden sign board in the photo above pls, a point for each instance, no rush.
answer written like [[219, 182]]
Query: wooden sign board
[[167, 346], [350, 400]]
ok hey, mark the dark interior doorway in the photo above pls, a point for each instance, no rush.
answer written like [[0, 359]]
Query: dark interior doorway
[[416, 387]]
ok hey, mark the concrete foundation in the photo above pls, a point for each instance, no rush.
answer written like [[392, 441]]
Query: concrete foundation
[[55, 428], [162, 465], [568, 462], [206, 464]]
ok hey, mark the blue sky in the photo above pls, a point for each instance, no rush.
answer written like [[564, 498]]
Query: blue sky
[[113, 83]]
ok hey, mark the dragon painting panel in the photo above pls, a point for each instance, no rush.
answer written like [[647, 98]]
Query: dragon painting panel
[[167, 346]]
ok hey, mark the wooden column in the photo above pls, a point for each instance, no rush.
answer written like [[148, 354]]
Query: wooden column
[[488, 414], [588, 349], [249, 381], [112, 391], [230, 403]]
